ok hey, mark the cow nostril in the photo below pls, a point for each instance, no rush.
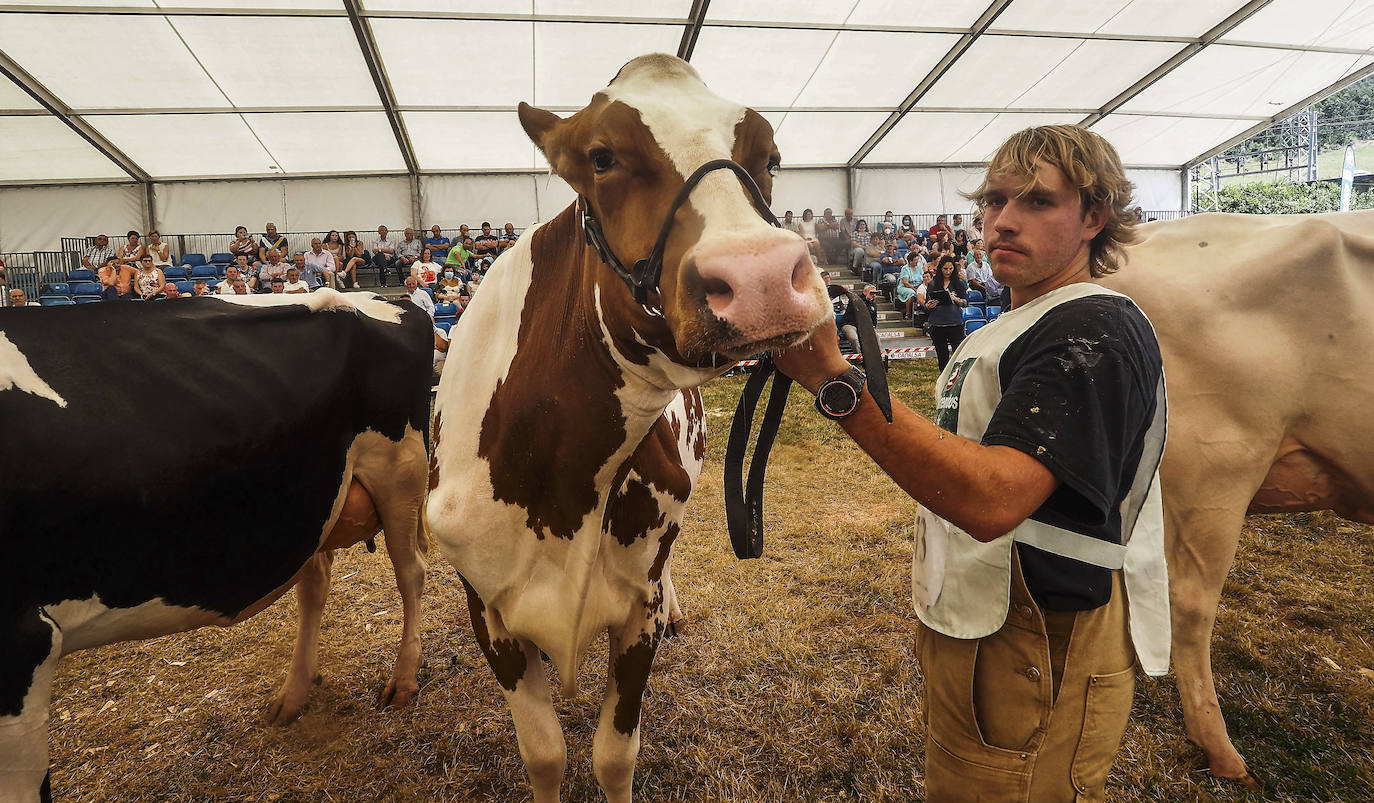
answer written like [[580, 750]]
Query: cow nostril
[[802, 273], [719, 293]]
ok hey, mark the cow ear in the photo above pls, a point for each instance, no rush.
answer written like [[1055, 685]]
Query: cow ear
[[539, 124]]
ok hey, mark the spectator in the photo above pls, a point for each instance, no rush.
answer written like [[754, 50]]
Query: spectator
[[437, 242], [463, 234], [906, 226], [383, 254], [849, 323], [451, 288], [239, 287], [334, 244], [149, 280], [807, 229], [828, 234], [407, 253], [859, 240], [170, 290], [420, 297], [839, 299], [274, 266], [116, 281], [975, 232], [889, 265], [3, 279], [486, 246], [941, 227], [17, 298], [293, 278], [231, 273], [160, 252], [98, 255], [980, 277], [474, 262], [426, 269], [886, 227], [319, 266], [457, 260], [441, 340], [131, 252], [244, 246], [946, 296], [249, 277], [788, 222], [958, 226], [847, 225], [907, 282], [200, 288], [269, 241], [960, 243], [508, 237], [277, 285], [354, 258]]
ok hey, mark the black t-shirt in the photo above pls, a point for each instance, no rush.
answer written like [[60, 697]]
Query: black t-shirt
[[490, 240], [1078, 394]]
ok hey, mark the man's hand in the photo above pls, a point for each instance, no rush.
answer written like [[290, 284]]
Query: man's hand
[[814, 360]]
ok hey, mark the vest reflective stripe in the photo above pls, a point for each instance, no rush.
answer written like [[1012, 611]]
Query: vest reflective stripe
[[961, 587]]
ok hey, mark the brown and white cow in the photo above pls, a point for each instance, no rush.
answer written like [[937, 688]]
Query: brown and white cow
[[569, 434], [1268, 402]]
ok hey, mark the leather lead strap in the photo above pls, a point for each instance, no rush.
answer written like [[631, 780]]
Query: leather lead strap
[[744, 501]]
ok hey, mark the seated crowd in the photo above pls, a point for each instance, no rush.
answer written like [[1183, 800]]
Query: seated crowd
[[435, 269]]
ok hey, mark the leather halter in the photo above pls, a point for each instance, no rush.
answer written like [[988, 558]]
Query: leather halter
[[646, 274]]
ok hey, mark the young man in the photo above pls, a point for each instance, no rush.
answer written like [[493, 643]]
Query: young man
[[1046, 423]]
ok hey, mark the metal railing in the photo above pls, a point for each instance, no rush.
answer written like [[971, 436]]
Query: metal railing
[[30, 270]]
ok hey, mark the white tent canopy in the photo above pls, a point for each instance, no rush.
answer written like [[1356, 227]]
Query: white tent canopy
[[158, 93]]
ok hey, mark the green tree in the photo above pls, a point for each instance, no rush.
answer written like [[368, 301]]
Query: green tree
[[1284, 198]]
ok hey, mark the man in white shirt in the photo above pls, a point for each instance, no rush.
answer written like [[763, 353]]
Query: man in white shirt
[[383, 254], [408, 253], [293, 280], [226, 287], [18, 299], [272, 267], [420, 297], [319, 265]]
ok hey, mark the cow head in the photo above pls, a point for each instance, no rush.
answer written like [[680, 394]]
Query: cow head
[[732, 284]]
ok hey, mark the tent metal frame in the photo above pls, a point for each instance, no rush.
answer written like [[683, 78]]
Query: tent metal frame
[[697, 20]]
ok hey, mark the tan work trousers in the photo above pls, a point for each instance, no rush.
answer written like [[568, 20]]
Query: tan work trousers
[[1034, 712]]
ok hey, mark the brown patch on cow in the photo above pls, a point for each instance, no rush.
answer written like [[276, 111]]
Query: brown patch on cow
[[555, 420], [632, 511], [504, 656], [636, 513], [631, 676], [696, 422], [434, 454], [665, 548]]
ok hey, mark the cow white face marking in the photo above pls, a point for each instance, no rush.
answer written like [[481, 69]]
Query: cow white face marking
[[16, 373]]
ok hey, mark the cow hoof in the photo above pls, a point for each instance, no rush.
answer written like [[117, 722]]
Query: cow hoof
[[283, 710], [675, 628], [397, 695]]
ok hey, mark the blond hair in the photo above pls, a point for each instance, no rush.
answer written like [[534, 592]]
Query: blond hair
[[1091, 164]]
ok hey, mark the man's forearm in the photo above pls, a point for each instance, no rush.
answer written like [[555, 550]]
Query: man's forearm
[[985, 490]]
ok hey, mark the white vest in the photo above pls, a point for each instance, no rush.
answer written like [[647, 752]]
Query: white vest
[[962, 587]]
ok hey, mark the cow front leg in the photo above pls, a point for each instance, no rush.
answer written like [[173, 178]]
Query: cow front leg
[[406, 551], [616, 745], [33, 643], [1201, 548], [312, 589], [517, 667]]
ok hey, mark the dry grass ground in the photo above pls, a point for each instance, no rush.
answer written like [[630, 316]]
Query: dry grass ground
[[795, 682]]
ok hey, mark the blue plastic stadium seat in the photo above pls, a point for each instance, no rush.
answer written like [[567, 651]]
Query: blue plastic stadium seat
[[206, 272], [430, 290], [994, 312], [176, 272], [80, 289], [221, 259], [82, 275], [185, 287], [192, 260], [923, 232], [445, 310], [55, 290], [971, 326], [972, 313], [55, 301], [88, 299], [211, 284], [975, 297], [444, 324]]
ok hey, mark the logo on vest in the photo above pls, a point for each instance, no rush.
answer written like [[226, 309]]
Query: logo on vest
[[947, 405]]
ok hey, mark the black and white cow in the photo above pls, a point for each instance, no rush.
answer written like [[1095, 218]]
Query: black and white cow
[[177, 464]]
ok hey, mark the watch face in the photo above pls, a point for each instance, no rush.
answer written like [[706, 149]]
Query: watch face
[[838, 397]]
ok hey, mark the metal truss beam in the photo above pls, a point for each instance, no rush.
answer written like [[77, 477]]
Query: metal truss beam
[[693, 29]]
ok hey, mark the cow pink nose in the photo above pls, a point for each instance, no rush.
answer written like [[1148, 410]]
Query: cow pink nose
[[761, 290]]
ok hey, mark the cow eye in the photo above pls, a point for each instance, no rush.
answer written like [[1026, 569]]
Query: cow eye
[[602, 159], [774, 164]]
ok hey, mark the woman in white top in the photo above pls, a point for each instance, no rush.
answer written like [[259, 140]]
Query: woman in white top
[[158, 250], [426, 271], [149, 280], [807, 229]]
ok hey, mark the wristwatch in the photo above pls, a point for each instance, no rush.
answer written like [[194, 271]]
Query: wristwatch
[[839, 397]]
